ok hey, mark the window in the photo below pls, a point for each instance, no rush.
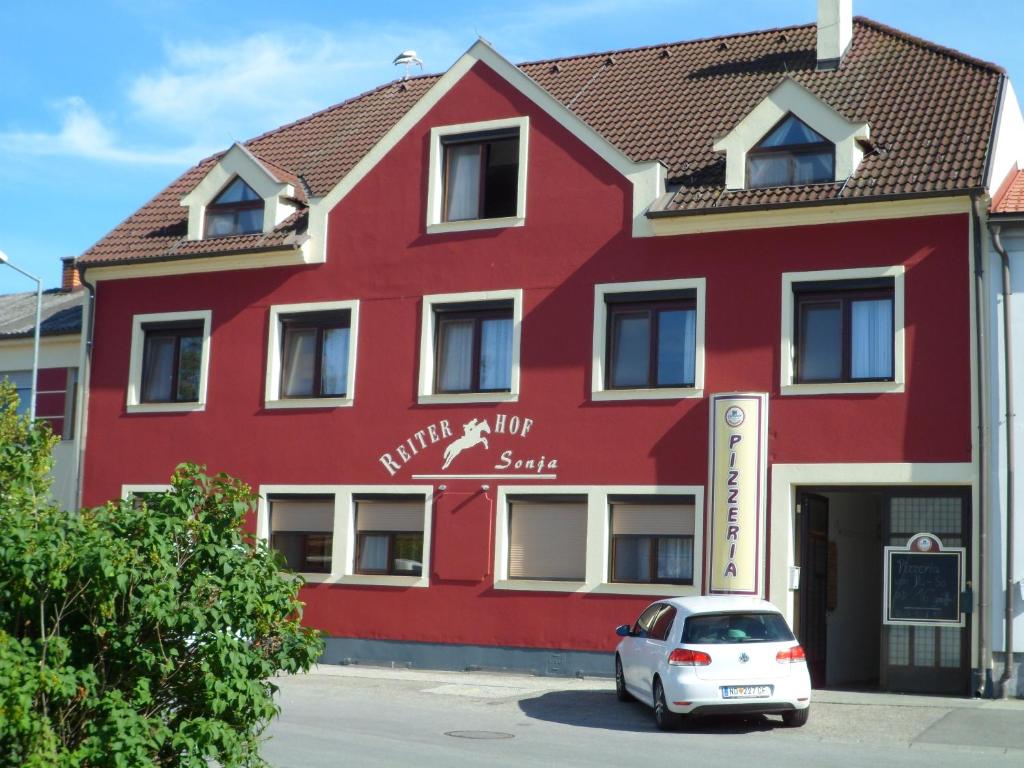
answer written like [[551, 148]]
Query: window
[[311, 354], [473, 348], [663, 624], [791, 153], [22, 381], [844, 332], [389, 537], [547, 538], [646, 619], [237, 210], [315, 355], [302, 530], [649, 340], [651, 343], [477, 175], [170, 357], [470, 347], [171, 363], [652, 541], [720, 628], [481, 175]]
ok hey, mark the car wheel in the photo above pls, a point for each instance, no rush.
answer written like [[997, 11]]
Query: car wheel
[[620, 682], [794, 718], [664, 718]]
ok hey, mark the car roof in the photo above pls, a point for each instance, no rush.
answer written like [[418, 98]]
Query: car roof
[[719, 603]]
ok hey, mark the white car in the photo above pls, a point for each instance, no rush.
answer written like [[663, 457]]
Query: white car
[[712, 655]]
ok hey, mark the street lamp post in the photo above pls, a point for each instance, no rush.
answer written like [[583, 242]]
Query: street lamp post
[[39, 315]]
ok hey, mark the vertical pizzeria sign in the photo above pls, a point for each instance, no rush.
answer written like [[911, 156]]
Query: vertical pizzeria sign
[[736, 503]]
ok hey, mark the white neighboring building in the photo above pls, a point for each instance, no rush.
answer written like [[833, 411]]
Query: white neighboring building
[[60, 352], [1004, 309]]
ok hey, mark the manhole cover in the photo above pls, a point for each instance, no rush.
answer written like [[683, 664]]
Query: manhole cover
[[479, 735]]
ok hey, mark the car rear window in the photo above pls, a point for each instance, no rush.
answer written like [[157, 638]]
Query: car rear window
[[717, 628]]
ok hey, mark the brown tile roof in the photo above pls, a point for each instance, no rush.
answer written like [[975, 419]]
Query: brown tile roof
[[930, 109], [1010, 197]]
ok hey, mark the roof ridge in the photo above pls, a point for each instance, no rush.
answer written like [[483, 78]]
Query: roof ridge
[[923, 43], [653, 46]]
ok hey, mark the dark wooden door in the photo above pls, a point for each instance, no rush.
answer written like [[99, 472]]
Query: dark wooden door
[[812, 630]]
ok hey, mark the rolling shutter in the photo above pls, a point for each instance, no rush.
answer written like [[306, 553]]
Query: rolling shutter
[[652, 519], [295, 515], [389, 515], [548, 540]]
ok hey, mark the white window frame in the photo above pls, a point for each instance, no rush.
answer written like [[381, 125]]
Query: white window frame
[[343, 542], [599, 529], [129, 490], [598, 390], [435, 184], [787, 383], [135, 404], [272, 390], [428, 333]]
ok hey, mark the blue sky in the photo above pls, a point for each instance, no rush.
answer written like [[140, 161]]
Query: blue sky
[[102, 103]]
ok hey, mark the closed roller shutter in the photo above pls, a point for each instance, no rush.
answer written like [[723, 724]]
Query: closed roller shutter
[[295, 515], [652, 519], [548, 540], [389, 515]]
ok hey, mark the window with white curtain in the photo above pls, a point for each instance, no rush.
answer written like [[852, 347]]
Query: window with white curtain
[[473, 347], [315, 354], [389, 536], [171, 362], [651, 340], [481, 175], [844, 331]]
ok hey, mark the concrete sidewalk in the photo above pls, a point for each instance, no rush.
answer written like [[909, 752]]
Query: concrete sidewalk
[[982, 726]]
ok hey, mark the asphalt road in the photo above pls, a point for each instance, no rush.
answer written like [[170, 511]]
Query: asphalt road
[[368, 717]]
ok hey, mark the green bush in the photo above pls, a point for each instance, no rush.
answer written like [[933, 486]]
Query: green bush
[[136, 634]]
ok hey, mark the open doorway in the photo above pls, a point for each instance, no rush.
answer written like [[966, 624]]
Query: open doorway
[[840, 592]]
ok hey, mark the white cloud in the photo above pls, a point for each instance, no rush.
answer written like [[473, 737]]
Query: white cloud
[[82, 134]]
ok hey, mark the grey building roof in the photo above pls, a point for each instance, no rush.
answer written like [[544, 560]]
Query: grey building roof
[[61, 314]]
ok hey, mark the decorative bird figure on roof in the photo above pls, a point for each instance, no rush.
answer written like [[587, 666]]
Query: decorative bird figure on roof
[[408, 58]]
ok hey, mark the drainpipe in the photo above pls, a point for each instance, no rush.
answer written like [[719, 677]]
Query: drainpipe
[[1007, 681], [85, 371], [984, 655]]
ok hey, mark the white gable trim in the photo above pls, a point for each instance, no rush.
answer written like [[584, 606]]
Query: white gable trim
[[238, 161], [789, 96], [647, 179]]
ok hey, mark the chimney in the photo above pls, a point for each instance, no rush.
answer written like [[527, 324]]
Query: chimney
[[70, 280], [835, 31]]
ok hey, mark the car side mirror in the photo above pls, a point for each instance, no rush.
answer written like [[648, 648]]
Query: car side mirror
[[623, 630]]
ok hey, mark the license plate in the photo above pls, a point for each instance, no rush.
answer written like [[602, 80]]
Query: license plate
[[746, 691]]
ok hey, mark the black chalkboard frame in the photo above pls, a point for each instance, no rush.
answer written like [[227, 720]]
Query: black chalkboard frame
[[924, 547]]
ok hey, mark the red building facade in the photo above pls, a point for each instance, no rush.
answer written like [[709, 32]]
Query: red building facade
[[544, 494]]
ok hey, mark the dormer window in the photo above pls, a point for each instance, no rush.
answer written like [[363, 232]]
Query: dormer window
[[792, 153], [238, 210]]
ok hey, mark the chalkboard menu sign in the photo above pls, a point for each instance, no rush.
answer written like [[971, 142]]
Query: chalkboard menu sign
[[923, 583]]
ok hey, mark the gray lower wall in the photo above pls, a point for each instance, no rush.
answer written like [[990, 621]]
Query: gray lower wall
[[537, 661], [998, 667]]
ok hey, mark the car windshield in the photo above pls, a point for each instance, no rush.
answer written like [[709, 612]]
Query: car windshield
[[717, 628]]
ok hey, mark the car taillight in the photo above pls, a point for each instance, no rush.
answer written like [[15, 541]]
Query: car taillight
[[683, 657], [791, 655]]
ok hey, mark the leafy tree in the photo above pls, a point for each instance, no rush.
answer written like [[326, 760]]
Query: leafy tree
[[137, 633]]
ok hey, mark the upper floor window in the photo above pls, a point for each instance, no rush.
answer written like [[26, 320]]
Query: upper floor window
[[172, 362], [651, 341], [170, 357], [844, 331], [237, 210], [473, 348], [481, 175], [648, 340], [469, 347], [315, 354], [791, 153]]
